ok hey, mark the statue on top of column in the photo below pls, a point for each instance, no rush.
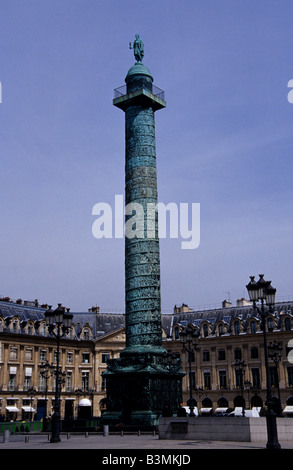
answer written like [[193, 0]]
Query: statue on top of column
[[138, 48]]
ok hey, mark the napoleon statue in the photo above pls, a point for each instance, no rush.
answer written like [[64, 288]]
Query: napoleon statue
[[138, 48]]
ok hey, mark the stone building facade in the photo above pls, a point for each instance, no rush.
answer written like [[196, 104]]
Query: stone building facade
[[227, 334], [27, 388]]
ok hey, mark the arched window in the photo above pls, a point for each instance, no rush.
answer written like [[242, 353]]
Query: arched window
[[223, 402], [256, 401], [207, 403], [253, 327], [43, 329], [176, 333], [236, 327], [14, 326], [205, 330], [270, 324], [287, 324], [289, 401]]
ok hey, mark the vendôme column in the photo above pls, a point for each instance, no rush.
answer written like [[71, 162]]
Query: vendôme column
[[138, 383], [142, 252]]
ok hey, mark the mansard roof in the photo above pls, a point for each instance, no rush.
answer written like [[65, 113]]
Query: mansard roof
[[99, 323], [104, 323], [226, 315], [24, 312]]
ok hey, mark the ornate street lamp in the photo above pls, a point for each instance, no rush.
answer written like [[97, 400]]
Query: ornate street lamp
[[263, 291], [189, 340], [240, 367], [59, 323]]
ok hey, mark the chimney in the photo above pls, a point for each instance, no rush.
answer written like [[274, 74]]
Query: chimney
[[243, 303]]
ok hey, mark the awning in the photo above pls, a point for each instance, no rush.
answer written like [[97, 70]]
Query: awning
[[12, 409], [221, 410], [288, 409], [205, 410], [29, 409], [85, 402]]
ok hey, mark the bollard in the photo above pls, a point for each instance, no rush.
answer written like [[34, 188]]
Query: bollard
[[86, 434], [106, 430], [26, 438], [122, 434], [68, 435], [138, 433], [6, 436]]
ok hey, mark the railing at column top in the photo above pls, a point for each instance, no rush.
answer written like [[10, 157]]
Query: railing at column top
[[122, 91]]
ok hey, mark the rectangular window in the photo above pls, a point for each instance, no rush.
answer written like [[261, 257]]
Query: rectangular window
[[85, 381], [55, 356], [27, 378], [206, 355], [12, 381], [237, 354], [86, 358], [207, 380], [69, 382], [221, 355], [43, 355], [104, 385], [28, 355], [42, 383], [70, 358], [222, 379], [27, 383], [254, 352], [192, 378], [191, 356], [105, 357], [255, 377], [239, 378], [273, 377], [13, 353]]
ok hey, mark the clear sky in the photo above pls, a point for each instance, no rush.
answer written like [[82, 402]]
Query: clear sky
[[224, 140]]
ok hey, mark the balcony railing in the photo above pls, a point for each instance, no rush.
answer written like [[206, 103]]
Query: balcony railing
[[122, 91]]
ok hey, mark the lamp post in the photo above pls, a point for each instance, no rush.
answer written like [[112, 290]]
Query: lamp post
[[240, 367], [189, 340], [247, 385], [263, 291], [59, 323], [169, 361], [275, 353], [31, 393], [46, 374]]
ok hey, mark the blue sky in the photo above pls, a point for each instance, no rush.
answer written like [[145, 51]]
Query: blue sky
[[224, 141]]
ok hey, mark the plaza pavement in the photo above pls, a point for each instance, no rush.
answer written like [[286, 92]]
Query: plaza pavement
[[122, 442]]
